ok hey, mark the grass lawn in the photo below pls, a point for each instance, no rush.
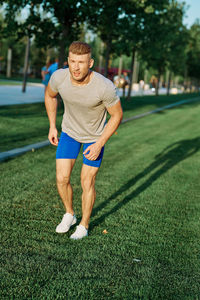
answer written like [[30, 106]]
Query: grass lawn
[[18, 78], [21, 125], [148, 200], [2, 82]]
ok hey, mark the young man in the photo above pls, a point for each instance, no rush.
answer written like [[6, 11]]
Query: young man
[[87, 97]]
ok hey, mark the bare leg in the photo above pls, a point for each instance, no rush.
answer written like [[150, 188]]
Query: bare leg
[[88, 175], [63, 171]]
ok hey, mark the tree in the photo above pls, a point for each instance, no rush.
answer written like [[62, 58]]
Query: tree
[[52, 23], [104, 19], [136, 26], [16, 46], [162, 29], [177, 55], [193, 53]]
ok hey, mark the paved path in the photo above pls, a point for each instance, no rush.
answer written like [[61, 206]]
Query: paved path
[[12, 94]]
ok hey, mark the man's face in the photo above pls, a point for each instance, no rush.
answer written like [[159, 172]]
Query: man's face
[[79, 65]]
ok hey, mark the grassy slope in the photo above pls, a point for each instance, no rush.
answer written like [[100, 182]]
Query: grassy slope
[[7, 83], [147, 200], [22, 125], [18, 78]]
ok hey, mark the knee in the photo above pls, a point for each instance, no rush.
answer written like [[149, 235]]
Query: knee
[[87, 182], [62, 179]]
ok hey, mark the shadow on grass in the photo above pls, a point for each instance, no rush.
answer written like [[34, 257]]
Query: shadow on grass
[[30, 110], [16, 140], [159, 101], [29, 125], [38, 109], [167, 159]]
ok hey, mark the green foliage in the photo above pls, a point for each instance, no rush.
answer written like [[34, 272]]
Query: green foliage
[[164, 31], [193, 53], [38, 58], [52, 23], [153, 28], [104, 19], [18, 50]]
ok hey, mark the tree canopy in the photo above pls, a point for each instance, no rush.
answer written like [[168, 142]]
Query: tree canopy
[[153, 28]]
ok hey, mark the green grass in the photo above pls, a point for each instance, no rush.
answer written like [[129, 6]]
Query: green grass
[[147, 200], [28, 123], [25, 124], [19, 78], [141, 104], [2, 82]]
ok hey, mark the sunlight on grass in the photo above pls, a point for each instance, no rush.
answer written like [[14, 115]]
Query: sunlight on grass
[[21, 125], [147, 201]]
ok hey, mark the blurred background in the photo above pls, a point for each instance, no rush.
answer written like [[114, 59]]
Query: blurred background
[[144, 46]]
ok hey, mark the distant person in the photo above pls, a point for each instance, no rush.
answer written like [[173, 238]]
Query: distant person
[[87, 96], [65, 65], [126, 82], [153, 83], [45, 75], [141, 86], [116, 81], [53, 67]]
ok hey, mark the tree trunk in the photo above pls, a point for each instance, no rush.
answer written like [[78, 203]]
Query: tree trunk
[[26, 60], [197, 86], [146, 76], [191, 82], [131, 74], [62, 46], [107, 57], [185, 80], [120, 66], [136, 68], [158, 84], [169, 83], [100, 58], [9, 63]]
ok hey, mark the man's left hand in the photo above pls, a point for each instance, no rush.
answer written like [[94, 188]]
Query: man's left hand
[[94, 151]]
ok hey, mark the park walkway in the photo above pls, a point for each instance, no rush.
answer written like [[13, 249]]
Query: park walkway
[[12, 94]]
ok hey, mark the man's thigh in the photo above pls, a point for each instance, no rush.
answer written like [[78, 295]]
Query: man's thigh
[[68, 148], [64, 168], [88, 172], [66, 154], [93, 163]]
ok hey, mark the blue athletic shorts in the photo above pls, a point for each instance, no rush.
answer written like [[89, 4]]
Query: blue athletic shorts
[[68, 148]]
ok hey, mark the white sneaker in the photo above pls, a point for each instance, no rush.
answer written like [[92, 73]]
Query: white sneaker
[[80, 233], [67, 221]]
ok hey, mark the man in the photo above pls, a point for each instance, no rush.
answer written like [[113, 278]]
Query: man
[[87, 97]]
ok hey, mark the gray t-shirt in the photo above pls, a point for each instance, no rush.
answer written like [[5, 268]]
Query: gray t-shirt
[[85, 106]]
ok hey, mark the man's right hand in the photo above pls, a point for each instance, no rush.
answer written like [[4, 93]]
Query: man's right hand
[[53, 136]]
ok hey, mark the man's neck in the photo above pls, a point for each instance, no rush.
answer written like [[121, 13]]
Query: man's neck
[[84, 81]]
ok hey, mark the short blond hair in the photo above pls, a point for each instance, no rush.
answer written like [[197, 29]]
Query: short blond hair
[[80, 48]]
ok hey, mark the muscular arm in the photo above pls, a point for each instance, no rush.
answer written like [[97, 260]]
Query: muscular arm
[[51, 108], [116, 114]]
